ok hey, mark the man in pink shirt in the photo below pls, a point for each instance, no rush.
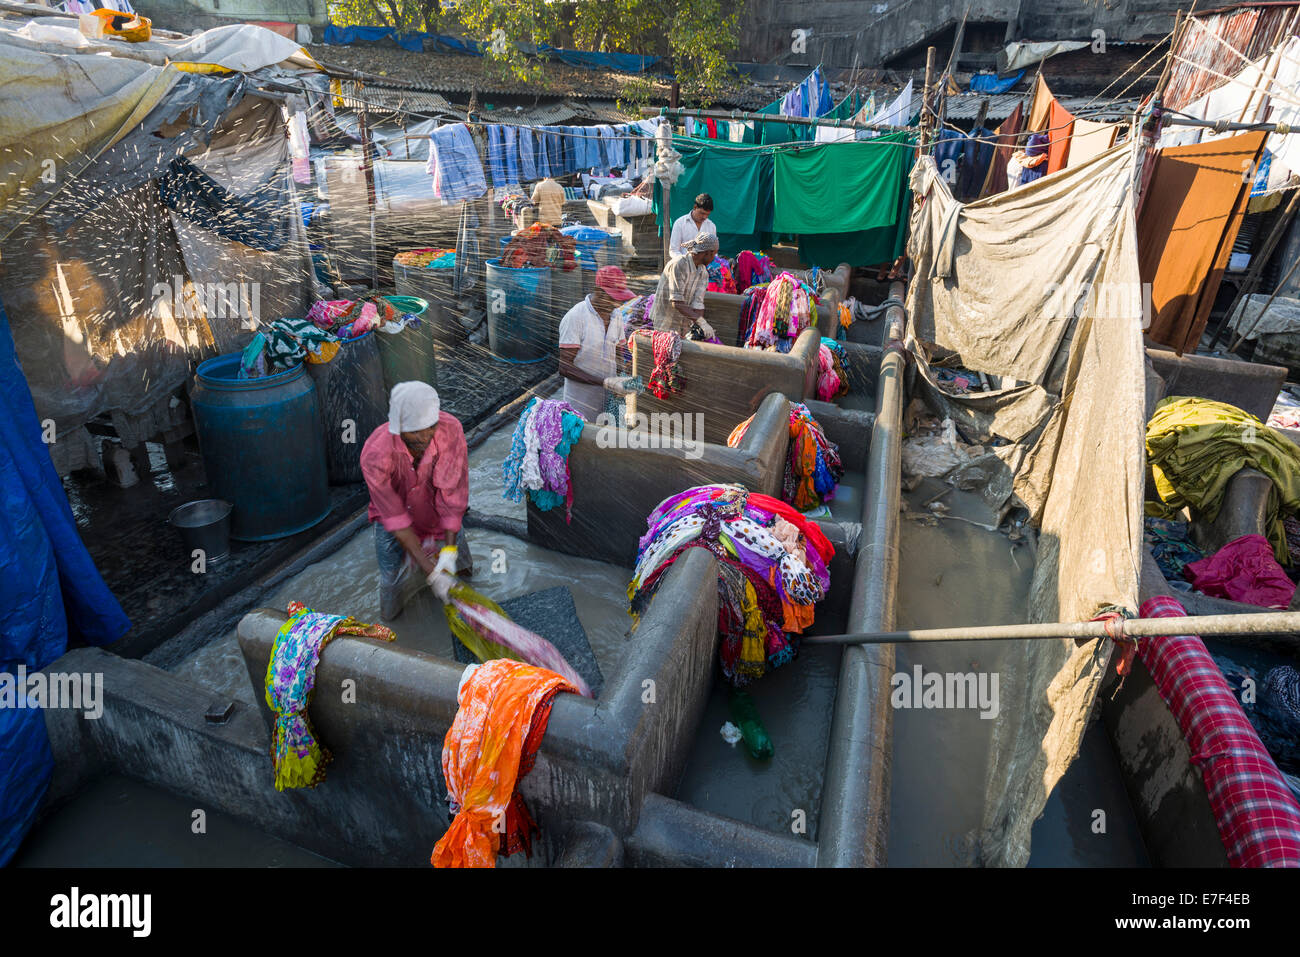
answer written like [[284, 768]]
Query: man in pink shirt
[[417, 470]]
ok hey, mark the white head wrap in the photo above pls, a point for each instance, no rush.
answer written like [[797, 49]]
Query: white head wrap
[[702, 243], [412, 407]]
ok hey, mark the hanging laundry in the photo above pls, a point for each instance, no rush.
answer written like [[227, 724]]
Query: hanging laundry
[[1060, 130], [538, 462], [1190, 215], [666, 350], [504, 707], [1195, 446], [772, 570], [455, 164], [298, 758], [752, 268], [1090, 139], [995, 181]]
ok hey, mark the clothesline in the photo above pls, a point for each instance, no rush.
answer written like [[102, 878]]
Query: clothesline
[[1133, 66]]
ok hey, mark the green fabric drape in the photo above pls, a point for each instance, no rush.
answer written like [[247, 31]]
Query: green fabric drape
[[840, 187], [847, 201]]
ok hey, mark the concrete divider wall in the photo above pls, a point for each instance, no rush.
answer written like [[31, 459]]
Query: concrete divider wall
[[1250, 386], [383, 800], [616, 487], [727, 384]]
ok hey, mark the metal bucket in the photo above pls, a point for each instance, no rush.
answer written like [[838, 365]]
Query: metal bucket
[[204, 524]]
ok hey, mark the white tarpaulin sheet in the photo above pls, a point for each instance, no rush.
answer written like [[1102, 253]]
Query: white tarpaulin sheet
[[1250, 316], [1021, 54], [1041, 285]]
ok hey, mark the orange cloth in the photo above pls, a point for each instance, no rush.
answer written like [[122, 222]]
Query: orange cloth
[[1060, 123], [803, 463], [1190, 215], [504, 707]]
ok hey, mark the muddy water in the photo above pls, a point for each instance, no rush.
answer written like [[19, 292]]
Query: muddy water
[[504, 567], [955, 573], [118, 822]]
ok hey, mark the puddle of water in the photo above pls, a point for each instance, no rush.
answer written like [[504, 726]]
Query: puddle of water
[[504, 567], [117, 822], [795, 703]]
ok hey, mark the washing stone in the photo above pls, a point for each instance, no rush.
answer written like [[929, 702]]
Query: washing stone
[[552, 614]]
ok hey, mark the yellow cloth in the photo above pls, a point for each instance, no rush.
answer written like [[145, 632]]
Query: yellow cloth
[[1194, 446]]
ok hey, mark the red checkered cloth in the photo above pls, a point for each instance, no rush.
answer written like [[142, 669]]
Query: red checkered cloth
[[1258, 817]]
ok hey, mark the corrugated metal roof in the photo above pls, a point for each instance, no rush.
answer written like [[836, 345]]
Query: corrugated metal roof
[[397, 99], [567, 111], [966, 106], [1250, 31]]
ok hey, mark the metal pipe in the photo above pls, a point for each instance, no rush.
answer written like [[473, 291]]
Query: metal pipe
[[1261, 623], [854, 827]]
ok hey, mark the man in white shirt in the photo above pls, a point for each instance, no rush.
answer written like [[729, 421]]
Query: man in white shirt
[[692, 224], [589, 339], [679, 297]]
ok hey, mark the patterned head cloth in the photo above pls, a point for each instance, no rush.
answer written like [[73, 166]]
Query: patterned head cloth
[[702, 243]]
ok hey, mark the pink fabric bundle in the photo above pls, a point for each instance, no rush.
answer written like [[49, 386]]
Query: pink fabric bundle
[[1243, 570], [532, 648], [828, 383]]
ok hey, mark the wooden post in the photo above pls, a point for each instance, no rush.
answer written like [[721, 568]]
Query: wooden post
[[926, 108]]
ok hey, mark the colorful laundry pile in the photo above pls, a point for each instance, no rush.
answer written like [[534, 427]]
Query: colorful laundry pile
[[773, 315], [751, 269], [1171, 548], [283, 344], [720, 277], [504, 707], [812, 467], [298, 758], [1243, 570], [540, 245], [538, 462], [344, 318], [666, 349], [486, 630], [772, 569], [427, 258], [514, 203], [833, 377], [1286, 412], [1195, 446]]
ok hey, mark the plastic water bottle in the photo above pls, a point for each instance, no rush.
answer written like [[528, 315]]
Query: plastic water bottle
[[745, 713]]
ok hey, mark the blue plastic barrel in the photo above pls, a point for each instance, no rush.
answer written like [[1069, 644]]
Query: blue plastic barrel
[[518, 311], [262, 447], [599, 247]]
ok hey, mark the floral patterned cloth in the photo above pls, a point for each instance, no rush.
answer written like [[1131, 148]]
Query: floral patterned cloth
[[538, 462], [298, 758]]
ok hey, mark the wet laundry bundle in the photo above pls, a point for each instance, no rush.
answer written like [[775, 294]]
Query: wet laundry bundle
[[1195, 447], [751, 268], [540, 245], [772, 569], [1243, 570], [298, 757], [283, 344], [812, 467], [833, 374], [774, 314], [486, 630], [538, 462], [720, 277], [504, 707]]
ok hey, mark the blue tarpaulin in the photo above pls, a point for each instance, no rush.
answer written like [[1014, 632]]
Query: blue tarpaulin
[[446, 43], [49, 587], [992, 83]]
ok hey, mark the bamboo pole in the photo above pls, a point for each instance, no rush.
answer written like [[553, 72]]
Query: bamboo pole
[[1257, 265], [1242, 334], [926, 127], [1260, 623]]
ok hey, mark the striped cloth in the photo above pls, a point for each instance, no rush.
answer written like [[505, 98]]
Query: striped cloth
[[1258, 818]]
